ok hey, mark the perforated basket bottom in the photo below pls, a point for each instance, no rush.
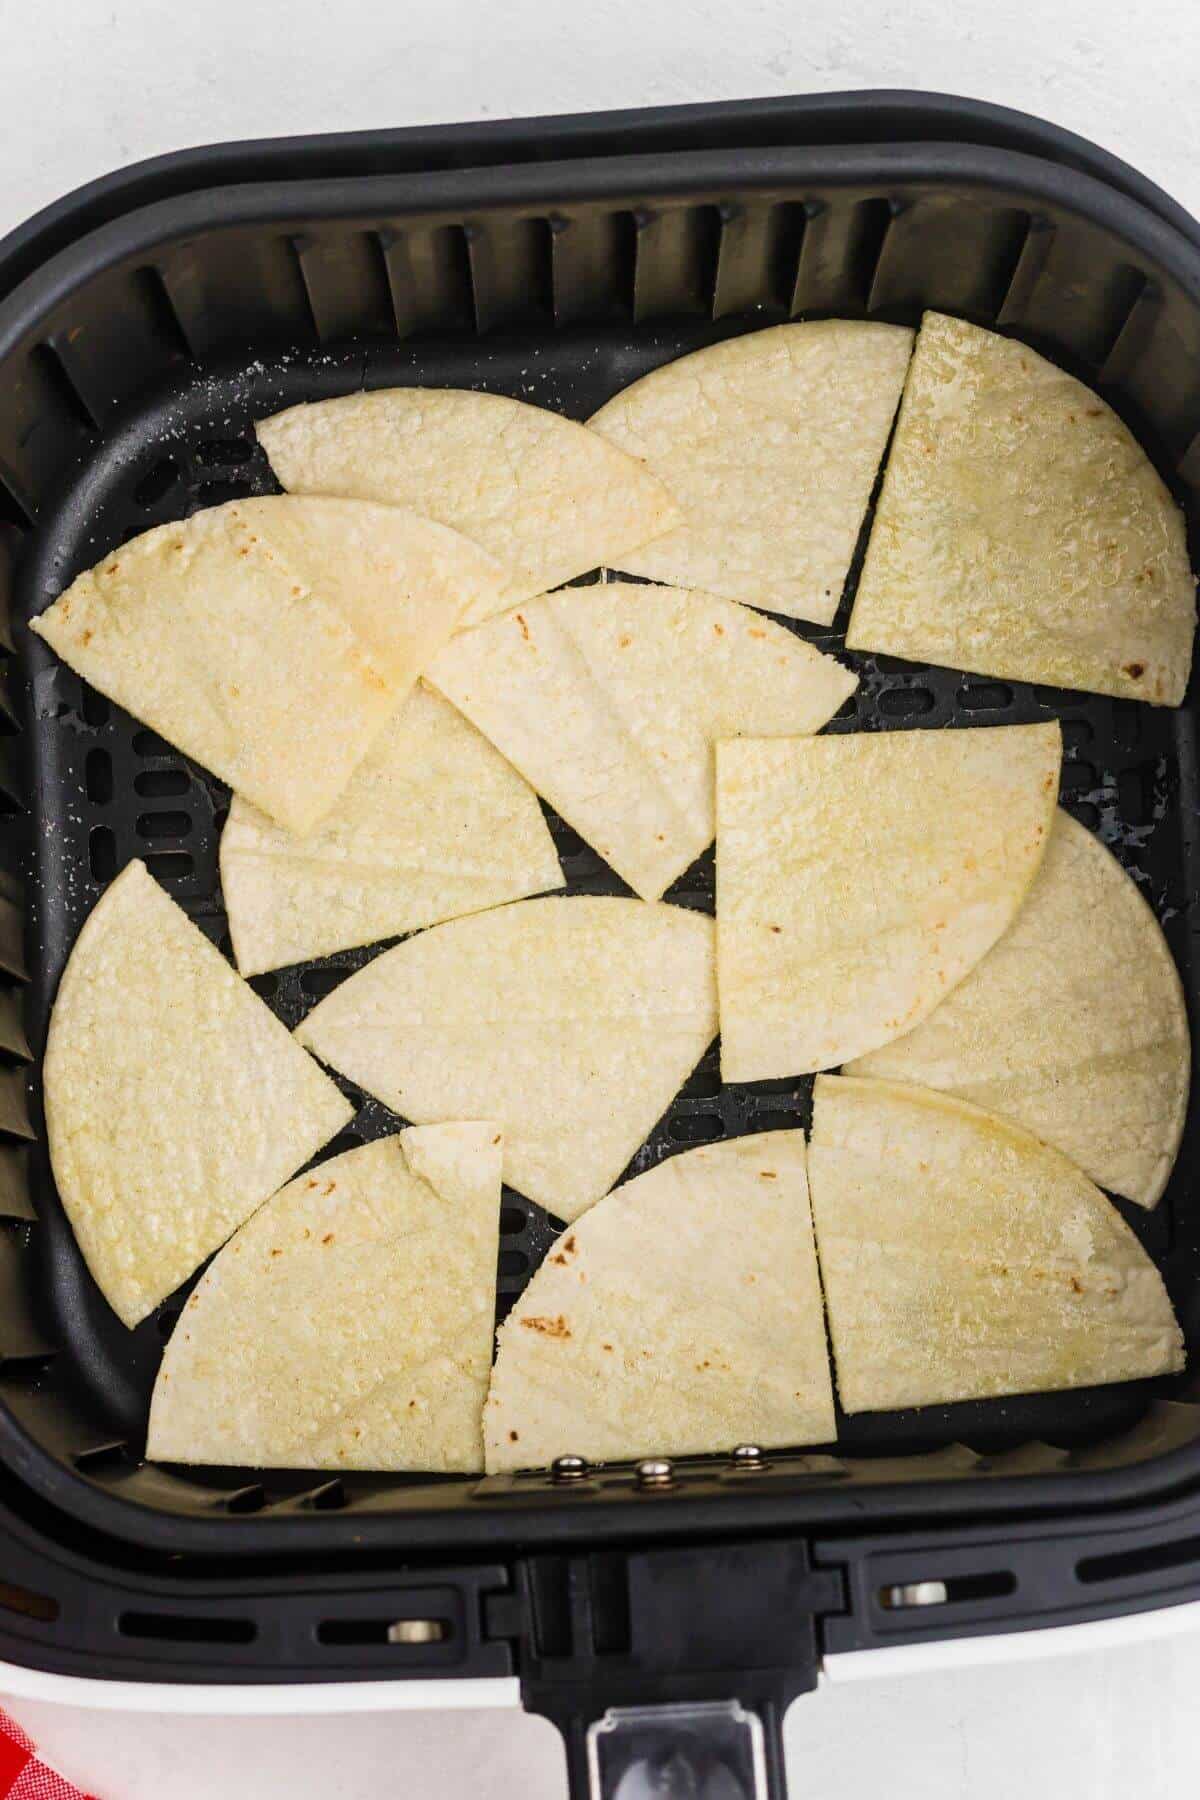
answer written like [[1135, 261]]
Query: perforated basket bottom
[[106, 790]]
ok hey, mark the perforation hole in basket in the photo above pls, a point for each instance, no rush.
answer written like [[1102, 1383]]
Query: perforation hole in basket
[[984, 696], [696, 1128], [98, 777], [1078, 777], [223, 453], [161, 784], [102, 853], [94, 708], [316, 983], [148, 743], [170, 865], [906, 702], [1127, 723], [157, 483], [1136, 794], [704, 1084], [155, 827]]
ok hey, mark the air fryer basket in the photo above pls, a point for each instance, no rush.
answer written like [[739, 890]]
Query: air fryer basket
[[132, 365]]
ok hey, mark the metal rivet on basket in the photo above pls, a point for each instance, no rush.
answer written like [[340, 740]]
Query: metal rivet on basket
[[568, 1468], [655, 1472], [748, 1456]]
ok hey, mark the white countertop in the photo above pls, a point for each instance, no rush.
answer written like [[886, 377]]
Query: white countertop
[[1103, 1725], [88, 86]]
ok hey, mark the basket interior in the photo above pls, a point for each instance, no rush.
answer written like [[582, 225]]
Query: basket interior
[[562, 308]]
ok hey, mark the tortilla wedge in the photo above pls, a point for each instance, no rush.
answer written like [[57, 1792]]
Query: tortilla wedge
[[271, 639], [571, 1022], [681, 1315], [348, 1325], [961, 1258], [175, 1101], [609, 700], [1022, 531], [433, 824], [543, 495], [770, 444], [1073, 1025], [861, 878]]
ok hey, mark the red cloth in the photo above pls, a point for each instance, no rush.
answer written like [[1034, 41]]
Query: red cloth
[[23, 1775]]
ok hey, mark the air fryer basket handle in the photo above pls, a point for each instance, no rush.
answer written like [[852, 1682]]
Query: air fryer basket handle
[[668, 1670], [705, 1750]]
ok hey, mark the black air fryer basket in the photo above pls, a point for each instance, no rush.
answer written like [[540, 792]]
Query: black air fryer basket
[[145, 323]]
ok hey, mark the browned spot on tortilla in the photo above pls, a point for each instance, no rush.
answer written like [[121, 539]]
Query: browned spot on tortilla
[[307, 1232], [85, 637], [559, 1258], [277, 1253], [113, 569], [1076, 1285], [358, 1431], [606, 1346], [1048, 783], [328, 1238], [768, 1175], [775, 928], [754, 632], [311, 1182], [411, 1404], [524, 626], [1135, 670], [297, 590], [1094, 412], [569, 1245], [719, 629], [497, 1137], [244, 551], [513, 1436], [329, 1187], [556, 1327], [234, 689], [624, 640]]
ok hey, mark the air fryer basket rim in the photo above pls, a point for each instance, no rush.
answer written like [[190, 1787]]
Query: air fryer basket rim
[[853, 115], [536, 1516], [531, 186]]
